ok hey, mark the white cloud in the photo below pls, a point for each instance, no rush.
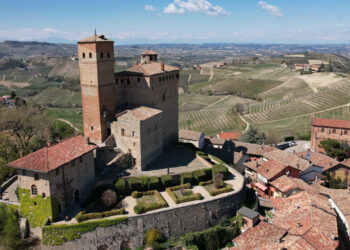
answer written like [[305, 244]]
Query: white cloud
[[180, 7], [149, 7], [274, 10]]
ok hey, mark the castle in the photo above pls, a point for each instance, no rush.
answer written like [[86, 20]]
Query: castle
[[137, 108]]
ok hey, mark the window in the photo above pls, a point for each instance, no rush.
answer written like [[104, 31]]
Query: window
[[128, 81], [133, 133], [34, 190], [43, 195], [134, 144], [121, 81], [123, 132], [163, 97], [57, 171], [80, 159], [108, 55], [345, 132], [101, 55], [177, 76], [163, 78], [334, 131], [322, 130], [167, 78], [90, 55], [36, 176], [160, 79], [83, 55], [92, 128], [24, 172], [138, 79]]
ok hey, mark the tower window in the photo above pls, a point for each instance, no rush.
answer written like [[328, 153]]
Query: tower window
[[167, 78], [92, 128], [123, 132], [90, 55], [177, 76], [160, 79], [128, 81], [36, 176], [83, 55], [138, 79], [57, 171], [108, 55], [163, 97], [43, 195], [34, 190], [101, 55]]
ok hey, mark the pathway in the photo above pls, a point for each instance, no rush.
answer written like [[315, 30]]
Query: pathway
[[211, 105], [69, 123], [10, 193], [245, 121], [211, 74]]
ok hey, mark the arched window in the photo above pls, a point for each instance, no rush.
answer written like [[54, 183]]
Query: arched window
[[90, 55], [123, 132], [43, 195], [83, 55], [101, 54], [36, 176], [34, 190]]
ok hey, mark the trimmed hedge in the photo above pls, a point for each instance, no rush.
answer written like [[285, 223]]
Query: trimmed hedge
[[186, 178], [167, 180], [195, 196], [59, 234], [121, 187], [208, 172], [226, 189], [201, 175], [89, 216], [219, 168], [136, 194], [135, 184], [154, 183], [143, 208], [205, 183]]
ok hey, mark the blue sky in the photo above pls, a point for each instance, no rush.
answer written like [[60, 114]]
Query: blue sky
[[178, 21]]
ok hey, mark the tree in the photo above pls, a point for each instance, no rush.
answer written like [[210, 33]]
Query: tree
[[8, 153], [219, 180], [13, 94], [153, 236], [60, 130], [23, 124], [253, 136], [109, 198], [330, 66], [9, 228], [239, 108], [335, 149]]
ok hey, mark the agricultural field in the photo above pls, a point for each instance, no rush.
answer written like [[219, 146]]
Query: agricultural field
[[72, 115]]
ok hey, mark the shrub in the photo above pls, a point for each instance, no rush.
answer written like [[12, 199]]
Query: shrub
[[138, 209], [144, 180], [195, 196], [208, 173], [153, 236], [219, 168], [145, 207], [167, 180], [226, 189], [153, 183], [135, 184], [120, 187], [82, 216], [186, 178], [200, 175], [204, 183], [136, 194], [109, 198]]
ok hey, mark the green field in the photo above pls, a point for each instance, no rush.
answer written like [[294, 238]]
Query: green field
[[72, 115]]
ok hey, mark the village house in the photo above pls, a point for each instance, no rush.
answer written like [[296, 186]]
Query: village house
[[323, 129], [283, 187], [249, 217], [234, 136], [216, 142], [193, 137], [63, 173]]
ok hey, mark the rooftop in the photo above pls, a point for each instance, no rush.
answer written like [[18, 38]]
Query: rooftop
[[247, 212], [318, 159], [230, 135], [217, 141], [52, 157], [189, 135], [252, 149], [270, 168], [95, 38], [141, 113], [148, 69], [284, 184], [149, 52], [289, 159], [330, 123]]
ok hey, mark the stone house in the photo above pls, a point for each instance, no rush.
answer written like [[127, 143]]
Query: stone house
[[63, 173], [283, 187], [323, 129], [193, 137], [250, 217], [139, 132]]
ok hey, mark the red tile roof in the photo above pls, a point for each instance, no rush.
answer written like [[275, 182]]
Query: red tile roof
[[330, 123], [95, 38], [284, 184], [190, 135], [319, 159], [148, 69], [52, 157], [271, 168], [149, 52], [230, 135]]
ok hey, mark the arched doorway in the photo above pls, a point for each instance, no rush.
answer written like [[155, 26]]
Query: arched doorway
[[77, 196]]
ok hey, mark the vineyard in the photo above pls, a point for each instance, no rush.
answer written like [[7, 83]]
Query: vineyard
[[272, 111]]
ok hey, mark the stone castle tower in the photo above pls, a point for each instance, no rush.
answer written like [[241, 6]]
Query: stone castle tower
[[96, 65], [106, 95]]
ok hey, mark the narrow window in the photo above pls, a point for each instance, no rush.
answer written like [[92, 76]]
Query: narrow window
[[34, 190], [138, 79], [24, 172], [108, 55], [123, 132], [43, 195], [80, 159], [83, 55], [92, 128], [57, 171], [322, 130], [36, 176], [133, 134], [121, 81], [128, 81], [101, 55], [177, 76], [160, 79], [334, 131], [163, 78], [163, 97], [90, 55]]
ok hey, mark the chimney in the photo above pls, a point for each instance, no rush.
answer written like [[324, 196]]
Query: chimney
[[21, 154], [299, 224], [48, 143], [297, 166], [87, 140], [163, 67]]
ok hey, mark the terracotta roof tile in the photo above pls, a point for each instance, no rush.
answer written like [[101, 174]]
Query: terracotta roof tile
[[189, 135], [230, 135], [217, 141], [148, 69], [140, 113], [284, 184], [51, 157], [318, 159], [330, 123], [270, 168], [289, 159], [149, 52], [95, 38], [252, 149]]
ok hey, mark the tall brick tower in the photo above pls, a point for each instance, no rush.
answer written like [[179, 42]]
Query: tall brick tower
[[96, 65]]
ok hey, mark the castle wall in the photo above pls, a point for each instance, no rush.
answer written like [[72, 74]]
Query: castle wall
[[171, 222], [26, 180]]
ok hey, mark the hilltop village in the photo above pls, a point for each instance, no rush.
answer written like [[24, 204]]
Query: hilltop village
[[133, 173]]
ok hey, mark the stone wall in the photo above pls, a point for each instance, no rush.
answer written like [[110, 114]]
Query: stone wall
[[171, 222]]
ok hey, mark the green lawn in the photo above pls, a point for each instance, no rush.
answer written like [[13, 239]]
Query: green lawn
[[70, 114]]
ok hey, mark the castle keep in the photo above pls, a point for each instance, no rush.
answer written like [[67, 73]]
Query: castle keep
[[137, 108]]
